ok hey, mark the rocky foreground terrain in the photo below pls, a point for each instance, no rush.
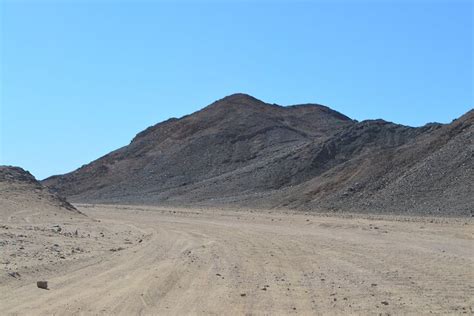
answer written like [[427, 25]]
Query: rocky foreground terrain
[[239, 262], [40, 232], [243, 152]]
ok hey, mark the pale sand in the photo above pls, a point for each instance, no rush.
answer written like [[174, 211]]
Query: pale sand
[[197, 261]]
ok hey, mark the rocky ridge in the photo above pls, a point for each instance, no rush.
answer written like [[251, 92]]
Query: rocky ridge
[[244, 152]]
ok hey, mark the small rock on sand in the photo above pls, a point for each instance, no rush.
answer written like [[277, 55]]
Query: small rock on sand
[[42, 284]]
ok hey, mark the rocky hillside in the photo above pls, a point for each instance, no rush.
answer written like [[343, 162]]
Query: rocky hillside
[[241, 151], [21, 193]]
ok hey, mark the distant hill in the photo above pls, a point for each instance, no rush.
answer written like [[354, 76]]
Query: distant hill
[[244, 152], [21, 193]]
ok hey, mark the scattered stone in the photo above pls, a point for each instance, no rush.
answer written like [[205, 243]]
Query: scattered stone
[[42, 285], [243, 294], [384, 303], [116, 249], [14, 274]]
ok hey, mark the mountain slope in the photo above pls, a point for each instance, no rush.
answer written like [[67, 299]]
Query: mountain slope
[[230, 136], [432, 173], [242, 151], [21, 193]]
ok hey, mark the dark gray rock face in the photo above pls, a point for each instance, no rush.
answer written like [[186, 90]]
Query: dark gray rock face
[[241, 151], [17, 174]]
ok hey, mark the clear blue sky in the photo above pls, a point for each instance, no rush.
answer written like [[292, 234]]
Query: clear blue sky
[[81, 78]]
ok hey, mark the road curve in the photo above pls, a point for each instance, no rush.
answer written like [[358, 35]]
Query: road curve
[[244, 262]]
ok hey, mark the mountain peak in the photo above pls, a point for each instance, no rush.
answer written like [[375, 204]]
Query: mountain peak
[[240, 99]]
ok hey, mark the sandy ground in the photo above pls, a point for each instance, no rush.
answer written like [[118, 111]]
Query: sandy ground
[[143, 260]]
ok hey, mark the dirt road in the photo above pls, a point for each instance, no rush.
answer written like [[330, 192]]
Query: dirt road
[[243, 262]]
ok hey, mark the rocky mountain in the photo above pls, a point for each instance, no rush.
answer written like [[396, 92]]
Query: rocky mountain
[[244, 152], [21, 193]]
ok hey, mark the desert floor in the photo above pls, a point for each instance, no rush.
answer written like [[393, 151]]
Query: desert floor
[[145, 260]]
